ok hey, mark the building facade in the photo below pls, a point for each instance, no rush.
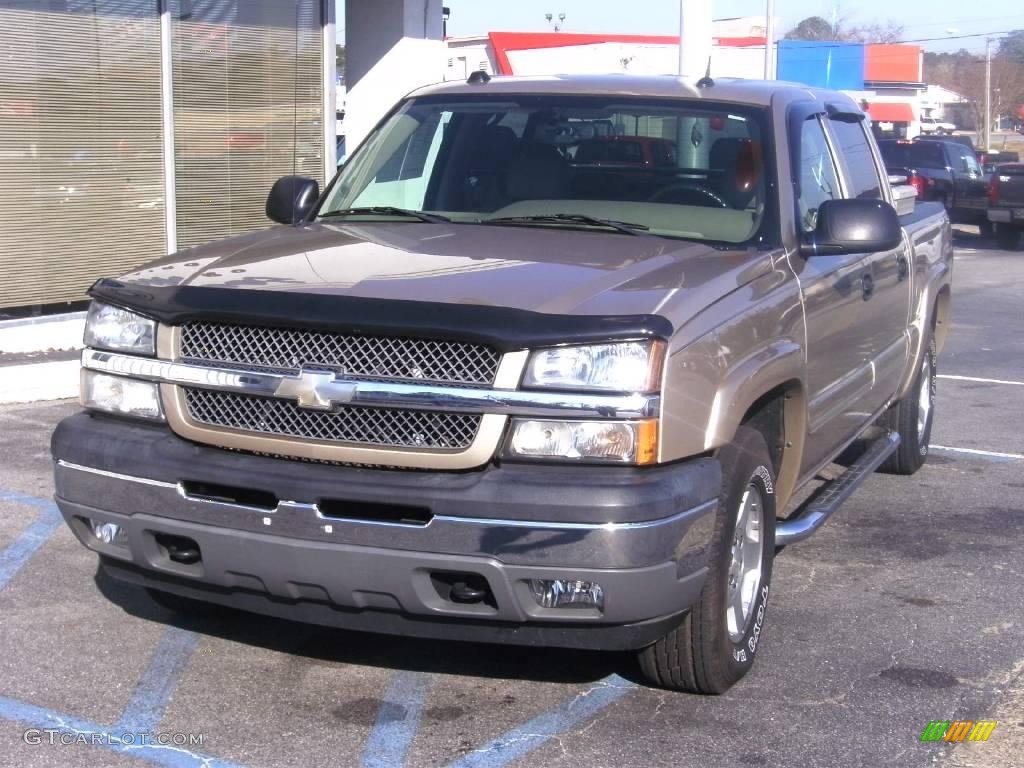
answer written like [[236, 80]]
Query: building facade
[[132, 128]]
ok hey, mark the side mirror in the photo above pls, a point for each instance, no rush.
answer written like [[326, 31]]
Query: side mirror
[[853, 226], [291, 199]]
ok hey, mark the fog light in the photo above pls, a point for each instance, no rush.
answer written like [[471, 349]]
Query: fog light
[[561, 593], [109, 533]]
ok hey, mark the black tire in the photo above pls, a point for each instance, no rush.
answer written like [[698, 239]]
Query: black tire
[[986, 229], [185, 606], [699, 656], [904, 417], [1008, 238]]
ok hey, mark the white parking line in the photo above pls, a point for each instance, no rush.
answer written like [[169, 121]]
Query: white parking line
[[984, 381], [978, 452]]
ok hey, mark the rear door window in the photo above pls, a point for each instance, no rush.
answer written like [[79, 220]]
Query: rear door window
[[928, 154], [968, 163]]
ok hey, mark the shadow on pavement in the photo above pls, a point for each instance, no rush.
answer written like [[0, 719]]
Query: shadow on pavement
[[554, 665]]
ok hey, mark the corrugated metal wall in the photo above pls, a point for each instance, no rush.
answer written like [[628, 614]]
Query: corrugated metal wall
[[81, 155], [247, 109], [81, 170]]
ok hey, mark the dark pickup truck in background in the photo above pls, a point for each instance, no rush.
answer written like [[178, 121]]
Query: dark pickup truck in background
[[942, 170], [1006, 204]]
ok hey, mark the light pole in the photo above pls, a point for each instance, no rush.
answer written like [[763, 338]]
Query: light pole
[[694, 38], [988, 93], [769, 41]]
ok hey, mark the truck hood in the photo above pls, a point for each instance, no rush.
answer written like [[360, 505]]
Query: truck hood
[[540, 269]]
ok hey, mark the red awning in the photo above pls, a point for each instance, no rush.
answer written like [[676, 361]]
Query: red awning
[[891, 112]]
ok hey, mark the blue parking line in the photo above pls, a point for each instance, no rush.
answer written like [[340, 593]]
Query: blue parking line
[[145, 708], [397, 721], [15, 555], [527, 737], [84, 732]]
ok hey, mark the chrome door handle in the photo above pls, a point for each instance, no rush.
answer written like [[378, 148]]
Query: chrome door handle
[[867, 285], [902, 266]]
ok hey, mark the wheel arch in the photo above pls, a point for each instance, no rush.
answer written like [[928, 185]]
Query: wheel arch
[[766, 391], [780, 415]]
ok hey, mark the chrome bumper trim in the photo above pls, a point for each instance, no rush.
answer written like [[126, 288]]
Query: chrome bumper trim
[[314, 509], [374, 394]]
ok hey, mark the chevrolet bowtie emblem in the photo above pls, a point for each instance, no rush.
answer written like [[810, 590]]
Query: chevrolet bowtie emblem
[[316, 389]]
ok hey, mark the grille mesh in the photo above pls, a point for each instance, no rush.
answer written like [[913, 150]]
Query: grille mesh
[[283, 350], [423, 430]]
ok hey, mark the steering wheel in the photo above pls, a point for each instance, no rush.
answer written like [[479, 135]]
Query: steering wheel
[[688, 194]]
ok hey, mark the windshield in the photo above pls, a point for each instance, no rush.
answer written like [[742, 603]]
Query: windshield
[[683, 169]]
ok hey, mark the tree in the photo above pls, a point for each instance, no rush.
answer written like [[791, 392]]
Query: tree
[[888, 32], [817, 28], [964, 72], [812, 28], [339, 58], [1012, 46]]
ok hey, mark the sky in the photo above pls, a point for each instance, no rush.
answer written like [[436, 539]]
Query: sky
[[943, 19]]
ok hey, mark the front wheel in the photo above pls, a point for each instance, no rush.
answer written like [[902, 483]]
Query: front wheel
[[714, 646], [912, 418]]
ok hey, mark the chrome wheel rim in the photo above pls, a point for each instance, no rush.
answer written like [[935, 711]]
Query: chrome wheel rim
[[924, 398], [744, 576]]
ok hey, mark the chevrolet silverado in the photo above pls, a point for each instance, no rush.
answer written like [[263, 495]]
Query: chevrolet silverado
[[484, 388]]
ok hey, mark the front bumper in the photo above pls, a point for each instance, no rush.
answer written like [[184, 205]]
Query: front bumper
[[642, 534]]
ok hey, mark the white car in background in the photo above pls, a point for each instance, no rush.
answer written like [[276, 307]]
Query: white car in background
[[934, 126]]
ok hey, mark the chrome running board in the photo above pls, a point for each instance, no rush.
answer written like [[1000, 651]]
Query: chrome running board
[[810, 515]]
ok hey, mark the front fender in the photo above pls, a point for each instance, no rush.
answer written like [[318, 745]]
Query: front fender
[[778, 363]]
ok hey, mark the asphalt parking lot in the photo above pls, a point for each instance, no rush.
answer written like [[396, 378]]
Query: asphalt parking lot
[[907, 607]]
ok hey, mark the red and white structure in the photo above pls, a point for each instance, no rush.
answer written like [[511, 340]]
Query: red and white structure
[[547, 53]]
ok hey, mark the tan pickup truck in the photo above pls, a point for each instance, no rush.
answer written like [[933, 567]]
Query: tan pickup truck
[[546, 364]]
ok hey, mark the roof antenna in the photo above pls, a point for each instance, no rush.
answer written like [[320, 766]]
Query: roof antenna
[[479, 77], [706, 81]]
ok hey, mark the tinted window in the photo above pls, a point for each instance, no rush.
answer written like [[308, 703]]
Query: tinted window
[[920, 154], [966, 160], [860, 163], [662, 154], [818, 177]]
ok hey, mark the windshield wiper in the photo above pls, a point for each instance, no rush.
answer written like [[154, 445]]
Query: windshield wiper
[[627, 228], [386, 210]]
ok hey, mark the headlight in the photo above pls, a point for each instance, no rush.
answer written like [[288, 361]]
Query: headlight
[[109, 327], [115, 394], [633, 366], [634, 442]]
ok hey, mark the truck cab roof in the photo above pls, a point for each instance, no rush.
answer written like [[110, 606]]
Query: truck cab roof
[[737, 90]]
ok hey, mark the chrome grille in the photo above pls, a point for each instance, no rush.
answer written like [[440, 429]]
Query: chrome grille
[[424, 430], [284, 350]]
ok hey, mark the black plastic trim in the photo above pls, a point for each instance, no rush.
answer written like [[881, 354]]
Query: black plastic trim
[[603, 637], [500, 327]]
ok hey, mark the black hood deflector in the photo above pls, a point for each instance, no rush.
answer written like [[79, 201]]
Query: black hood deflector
[[501, 327]]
